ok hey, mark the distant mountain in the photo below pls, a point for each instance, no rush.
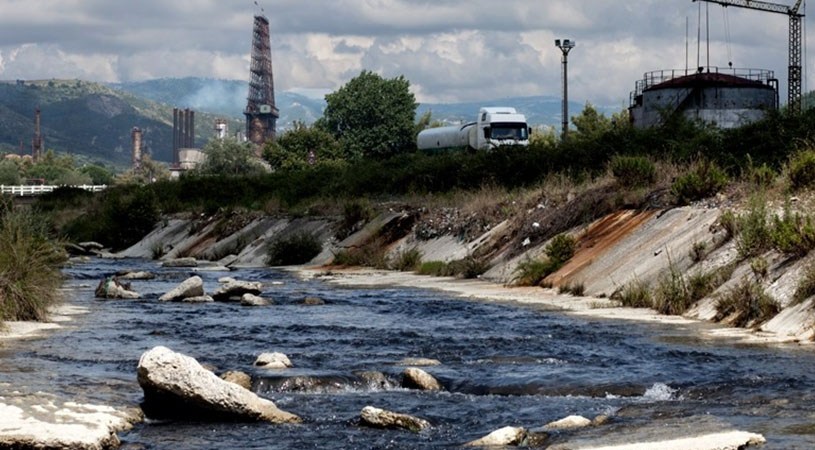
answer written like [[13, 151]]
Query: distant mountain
[[90, 120], [225, 98], [228, 98], [94, 121]]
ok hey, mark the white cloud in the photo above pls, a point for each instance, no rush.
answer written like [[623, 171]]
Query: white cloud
[[450, 50]]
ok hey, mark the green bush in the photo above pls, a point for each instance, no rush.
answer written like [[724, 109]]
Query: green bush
[[701, 284], [633, 171], [561, 249], [754, 230], [793, 234], [371, 254], [298, 248], [530, 272], [29, 267], [806, 285], [746, 303], [407, 260], [635, 294], [704, 179], [801, 169], [671, 295], [729, 223], [698, 251], [434, 268], [468, 267], [577, 289], [355, 214]]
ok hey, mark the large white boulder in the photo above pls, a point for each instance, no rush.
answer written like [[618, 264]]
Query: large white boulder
[[501, 437], [568, 423], [274, 360], [253, 300], [176, 386], [380, 418], [415, 378], [191, 287]]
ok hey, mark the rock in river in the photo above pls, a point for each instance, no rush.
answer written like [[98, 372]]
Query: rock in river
[[233, 290], [380, 418], [415, 378], [191, 287], [176, 386], [273, 361], [113, 288], [253, 300], [501, 437]]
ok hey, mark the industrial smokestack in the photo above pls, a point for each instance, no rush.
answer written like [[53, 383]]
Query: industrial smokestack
[[175, 135], [136, 135], [36, 143], [192, 130]]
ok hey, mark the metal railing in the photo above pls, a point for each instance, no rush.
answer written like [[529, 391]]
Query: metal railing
[[37, 189]]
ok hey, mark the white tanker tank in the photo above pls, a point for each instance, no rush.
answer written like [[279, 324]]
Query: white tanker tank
[[494, 127]]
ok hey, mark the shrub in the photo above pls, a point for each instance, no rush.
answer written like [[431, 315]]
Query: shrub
[[468, 267], [760, 267], [702, 284], [793, 234], [298, 248], [703, 179], [729, 223], [634, 294], [806, 286], [801, 169], [354, 216], [407, 260], [561, 249], [29, 267], [531, 272], [371, 254], [577, 289], [698, 251], [746, 303], [633, 171], [434, 268], [754, 231], [671, 295]]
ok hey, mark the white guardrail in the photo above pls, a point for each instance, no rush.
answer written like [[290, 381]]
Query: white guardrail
[[37, 189]]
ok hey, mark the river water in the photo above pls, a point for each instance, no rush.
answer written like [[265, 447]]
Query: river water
[[502, 365]]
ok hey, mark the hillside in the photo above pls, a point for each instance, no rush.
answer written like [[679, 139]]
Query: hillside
[[89, 120], [228, 97]]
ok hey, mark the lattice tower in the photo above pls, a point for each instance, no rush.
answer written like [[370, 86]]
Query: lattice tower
[[261, 112]]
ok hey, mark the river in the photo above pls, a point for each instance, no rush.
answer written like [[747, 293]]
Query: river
[[502, 365]]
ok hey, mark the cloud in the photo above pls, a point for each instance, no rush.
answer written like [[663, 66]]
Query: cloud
[[450, 50]]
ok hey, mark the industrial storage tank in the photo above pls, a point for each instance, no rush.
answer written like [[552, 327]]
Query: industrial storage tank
[[724, 97]]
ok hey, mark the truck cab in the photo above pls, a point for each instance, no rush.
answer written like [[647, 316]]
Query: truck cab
[[497, 126]]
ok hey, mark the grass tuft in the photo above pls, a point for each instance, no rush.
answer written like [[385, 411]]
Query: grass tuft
[[298, 248], [746, 303]]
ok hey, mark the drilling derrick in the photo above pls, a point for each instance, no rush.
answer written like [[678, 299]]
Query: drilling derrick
[[261, 113]]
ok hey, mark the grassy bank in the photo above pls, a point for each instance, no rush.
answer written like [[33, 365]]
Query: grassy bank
[[29, 267]]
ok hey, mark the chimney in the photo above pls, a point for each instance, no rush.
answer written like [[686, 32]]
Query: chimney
[[175, 135], [192, 130], [136, 156]]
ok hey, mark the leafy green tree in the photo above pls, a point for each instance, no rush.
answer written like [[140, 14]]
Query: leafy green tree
[[9, 173], [229, 157], [149, 172], [301, 146], [372, 116], [99, 174], [590, 123]]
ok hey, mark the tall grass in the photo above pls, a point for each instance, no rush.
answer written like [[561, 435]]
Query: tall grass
[[29, 267]]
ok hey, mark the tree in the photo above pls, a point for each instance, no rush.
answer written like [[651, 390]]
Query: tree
[[301, 146], [372, 116], [99, 174], [149, 172], [9, 172], [229, 157], [590, 123]]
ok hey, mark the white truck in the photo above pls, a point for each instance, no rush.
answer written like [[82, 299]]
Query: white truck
[[496, 126]]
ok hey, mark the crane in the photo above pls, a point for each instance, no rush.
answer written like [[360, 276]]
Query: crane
[[795, 44]]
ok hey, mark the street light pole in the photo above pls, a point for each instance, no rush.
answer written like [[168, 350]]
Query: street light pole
[[565, 46]]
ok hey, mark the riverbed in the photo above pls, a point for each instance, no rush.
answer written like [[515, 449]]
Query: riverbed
[[502, 364]]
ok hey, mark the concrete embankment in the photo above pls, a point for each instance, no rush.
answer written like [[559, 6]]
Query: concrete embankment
[[612, 251]]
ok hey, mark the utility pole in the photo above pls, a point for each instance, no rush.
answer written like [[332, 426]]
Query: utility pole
[[565, 47]]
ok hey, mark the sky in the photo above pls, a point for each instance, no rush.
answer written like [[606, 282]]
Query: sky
[[449, 50]]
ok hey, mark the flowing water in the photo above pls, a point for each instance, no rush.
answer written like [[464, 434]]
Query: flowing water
[[502, 365]]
